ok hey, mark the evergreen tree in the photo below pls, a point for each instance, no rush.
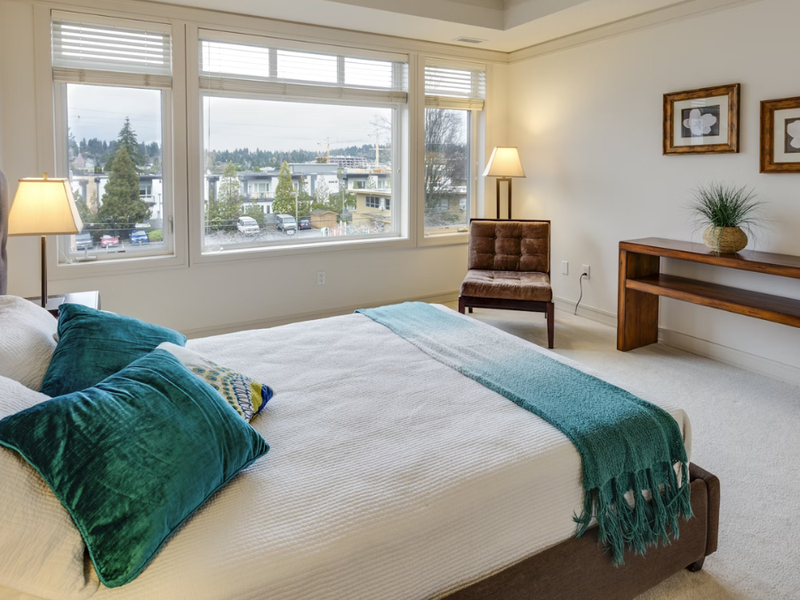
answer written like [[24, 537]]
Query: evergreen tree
[[304, 200], [224, 208], [127, 139], [255, 211], [285, 201], [372, 183], [122, 207], [341, 201]]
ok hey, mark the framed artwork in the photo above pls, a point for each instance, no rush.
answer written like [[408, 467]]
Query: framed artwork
[[704, 121], [780, 136]]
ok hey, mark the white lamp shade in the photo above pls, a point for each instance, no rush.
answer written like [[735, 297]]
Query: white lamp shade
[[504, 162], [44, 206]]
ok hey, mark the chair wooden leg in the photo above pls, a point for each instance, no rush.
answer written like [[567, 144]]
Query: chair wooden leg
[[470, 310], [551, 324], [461, 305]]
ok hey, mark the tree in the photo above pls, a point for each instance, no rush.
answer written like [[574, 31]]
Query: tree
[[304, 200], [255, 211], [339, 202], [122, 207], [285, 201], [226, 206], [446, 164], [445, 154], [322, 194], [88, 214], [127, 139]]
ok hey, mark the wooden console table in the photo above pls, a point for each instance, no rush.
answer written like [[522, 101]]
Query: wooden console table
[[641, 283]]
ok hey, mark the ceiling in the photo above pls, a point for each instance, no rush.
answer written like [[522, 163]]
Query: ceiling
[[504, 25]]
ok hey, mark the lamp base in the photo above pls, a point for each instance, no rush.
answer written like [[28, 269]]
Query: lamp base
[[44, 272], [508, 179]]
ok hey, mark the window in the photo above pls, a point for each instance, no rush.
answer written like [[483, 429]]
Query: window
[[452, 97], [259, 189], [112, 84], [300, 108]]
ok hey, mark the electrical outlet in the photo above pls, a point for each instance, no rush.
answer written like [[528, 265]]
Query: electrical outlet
[[586, 270], [565, 267], [320, 277]]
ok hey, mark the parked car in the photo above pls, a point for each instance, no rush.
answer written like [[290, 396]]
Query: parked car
[[304, 223], [286, 224], [247, 226], [109, 241], [84, 241], [139, 237]]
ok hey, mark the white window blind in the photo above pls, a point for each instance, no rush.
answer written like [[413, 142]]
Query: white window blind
[[110, 52], [454, 87], [289, 72]]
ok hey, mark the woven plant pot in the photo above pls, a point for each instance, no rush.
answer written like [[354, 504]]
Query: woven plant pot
[[725, 240]]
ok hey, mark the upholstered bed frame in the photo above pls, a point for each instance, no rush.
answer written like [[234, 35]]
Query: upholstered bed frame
[[5, 204], [578, 569]]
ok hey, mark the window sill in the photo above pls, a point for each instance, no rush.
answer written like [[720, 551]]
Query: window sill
[[109, 267], [443, 238], [266, 252]]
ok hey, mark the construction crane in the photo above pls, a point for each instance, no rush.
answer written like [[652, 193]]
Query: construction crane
[[327, 143], [377, 134]]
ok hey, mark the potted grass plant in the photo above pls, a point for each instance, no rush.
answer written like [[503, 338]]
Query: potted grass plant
[[727, 213]]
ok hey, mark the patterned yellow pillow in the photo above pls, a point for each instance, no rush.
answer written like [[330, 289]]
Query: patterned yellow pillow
[[248, 397]]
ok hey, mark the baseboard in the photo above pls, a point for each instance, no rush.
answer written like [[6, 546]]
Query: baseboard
[[687, 343], [730, 356], [440, 298], [588, 312]]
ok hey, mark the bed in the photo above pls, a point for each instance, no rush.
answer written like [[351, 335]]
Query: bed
[[392, 476]]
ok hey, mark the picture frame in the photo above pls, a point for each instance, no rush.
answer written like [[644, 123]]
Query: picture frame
[[780, 136], [702, 121]]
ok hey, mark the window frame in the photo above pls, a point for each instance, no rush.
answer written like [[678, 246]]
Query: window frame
[[167, 175], [404, 114], [52, 143], [185, 112], [439, 236]]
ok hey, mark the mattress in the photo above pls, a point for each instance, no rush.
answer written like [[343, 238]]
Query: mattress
[[390, 476]]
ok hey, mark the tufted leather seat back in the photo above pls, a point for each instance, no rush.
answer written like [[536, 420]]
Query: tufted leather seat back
[[510, 246]]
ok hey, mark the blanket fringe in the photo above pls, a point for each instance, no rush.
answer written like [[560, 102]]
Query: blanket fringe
[[643, 524]]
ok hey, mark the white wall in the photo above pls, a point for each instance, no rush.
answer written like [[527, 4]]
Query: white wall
[[218, 296], [588, 124]]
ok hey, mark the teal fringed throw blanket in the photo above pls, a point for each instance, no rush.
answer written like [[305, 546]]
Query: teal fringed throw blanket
[[626, 445]]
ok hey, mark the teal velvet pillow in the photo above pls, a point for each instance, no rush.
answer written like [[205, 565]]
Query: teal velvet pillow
[[134, 456], [93, 345]]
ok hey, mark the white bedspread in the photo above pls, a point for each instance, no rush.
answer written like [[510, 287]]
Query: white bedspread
[[390, 476]]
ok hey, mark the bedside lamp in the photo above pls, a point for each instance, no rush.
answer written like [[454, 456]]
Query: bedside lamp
[[504, 164], [44, 207]]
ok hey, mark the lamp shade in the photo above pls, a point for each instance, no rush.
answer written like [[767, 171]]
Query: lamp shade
[[43, 206], [504, 162]]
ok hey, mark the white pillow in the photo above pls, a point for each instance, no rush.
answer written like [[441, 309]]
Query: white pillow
[[41, 551], [26, 340]]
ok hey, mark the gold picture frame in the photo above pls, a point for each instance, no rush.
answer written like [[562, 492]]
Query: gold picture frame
[[702, 121], [780, 136]]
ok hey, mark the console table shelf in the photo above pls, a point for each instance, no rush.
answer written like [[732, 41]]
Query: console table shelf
[[641, 283]]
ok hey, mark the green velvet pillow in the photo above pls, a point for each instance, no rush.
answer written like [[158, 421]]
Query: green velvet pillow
[[93, 345], [134, 456]]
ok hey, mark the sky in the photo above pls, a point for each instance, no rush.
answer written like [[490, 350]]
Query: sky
[[228, 123]]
